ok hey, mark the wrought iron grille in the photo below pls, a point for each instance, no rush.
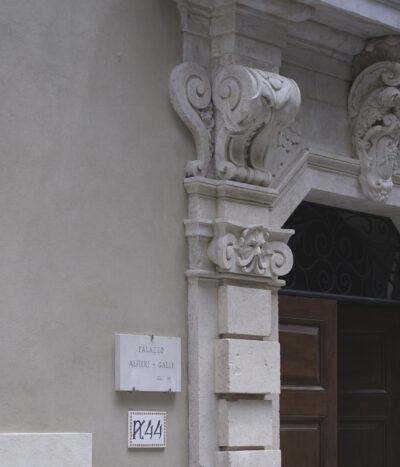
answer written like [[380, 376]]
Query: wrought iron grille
[[343, 252]]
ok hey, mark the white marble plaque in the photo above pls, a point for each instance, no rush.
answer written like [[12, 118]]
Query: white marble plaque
[[147, 429], [45, 449], [147, 363]]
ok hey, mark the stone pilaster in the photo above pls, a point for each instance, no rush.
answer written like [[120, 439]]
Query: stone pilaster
[[234, 355], [236, 107]]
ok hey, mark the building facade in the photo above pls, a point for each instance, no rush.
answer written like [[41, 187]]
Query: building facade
[[152, 153]]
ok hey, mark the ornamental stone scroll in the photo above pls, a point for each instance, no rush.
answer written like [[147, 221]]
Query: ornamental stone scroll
[[253, 250], [238, 118], [254, 106], [190, 93], [374, 109]]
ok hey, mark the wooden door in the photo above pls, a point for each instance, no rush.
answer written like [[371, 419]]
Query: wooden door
[[369, 387], [308, 337]]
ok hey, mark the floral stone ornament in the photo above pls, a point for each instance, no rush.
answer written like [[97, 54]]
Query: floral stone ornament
[[374, 109], [253, 250]]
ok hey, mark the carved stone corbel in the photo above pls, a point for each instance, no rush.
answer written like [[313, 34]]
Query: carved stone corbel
[[254, 106], [253, 250], [374, 107], [190, 92]]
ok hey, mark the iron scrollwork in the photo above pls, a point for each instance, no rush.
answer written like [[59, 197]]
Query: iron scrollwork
[[343, 252]]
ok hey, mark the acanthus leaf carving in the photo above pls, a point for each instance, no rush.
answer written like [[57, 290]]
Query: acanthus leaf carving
[[253, 250], [374, 108], [254, 107], [190, 92]]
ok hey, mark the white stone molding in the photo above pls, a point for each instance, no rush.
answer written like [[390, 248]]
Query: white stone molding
[[374, 107], [46, 449], [190, 92], [254, 250], [254, 106]]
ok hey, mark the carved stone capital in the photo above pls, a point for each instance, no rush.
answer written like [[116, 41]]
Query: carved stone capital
[[254, 106], [190, 92], [253, 250], [374, 109]]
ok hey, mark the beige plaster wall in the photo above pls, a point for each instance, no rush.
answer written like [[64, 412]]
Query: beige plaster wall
[[91, 209]]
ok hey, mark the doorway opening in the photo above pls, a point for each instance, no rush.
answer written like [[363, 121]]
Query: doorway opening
[[340, 341]]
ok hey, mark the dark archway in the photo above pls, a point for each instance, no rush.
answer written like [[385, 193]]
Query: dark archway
[[343, 254]]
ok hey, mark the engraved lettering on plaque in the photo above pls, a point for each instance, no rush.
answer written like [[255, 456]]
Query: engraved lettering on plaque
[[147, 363]]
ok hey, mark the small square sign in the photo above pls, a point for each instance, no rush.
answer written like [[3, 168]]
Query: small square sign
[[147, 429]]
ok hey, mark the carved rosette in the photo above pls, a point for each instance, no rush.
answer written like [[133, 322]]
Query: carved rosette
[[254, 106], [190, 92], [374, 107], [253, 250]]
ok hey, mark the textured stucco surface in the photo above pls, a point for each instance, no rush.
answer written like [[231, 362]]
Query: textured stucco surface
[[91, 208]]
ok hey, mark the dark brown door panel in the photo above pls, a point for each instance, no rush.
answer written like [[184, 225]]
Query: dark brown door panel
[[368, 386], [305, 436], [340, 402], [308, 336]]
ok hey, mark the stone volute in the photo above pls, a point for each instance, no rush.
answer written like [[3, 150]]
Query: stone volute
[[374, 109]]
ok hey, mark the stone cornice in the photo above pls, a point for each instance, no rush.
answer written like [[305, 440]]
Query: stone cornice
[[384, 13], [325, 39], [243, 32], [255, 32], [334, 163], [266, 196], [286, 11], [227, 189]]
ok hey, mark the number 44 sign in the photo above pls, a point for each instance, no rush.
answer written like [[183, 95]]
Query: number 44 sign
[[147, 429]]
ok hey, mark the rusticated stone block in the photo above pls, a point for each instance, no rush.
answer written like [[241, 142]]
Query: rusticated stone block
[[247, 366], [245, 423], [244, 311]]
